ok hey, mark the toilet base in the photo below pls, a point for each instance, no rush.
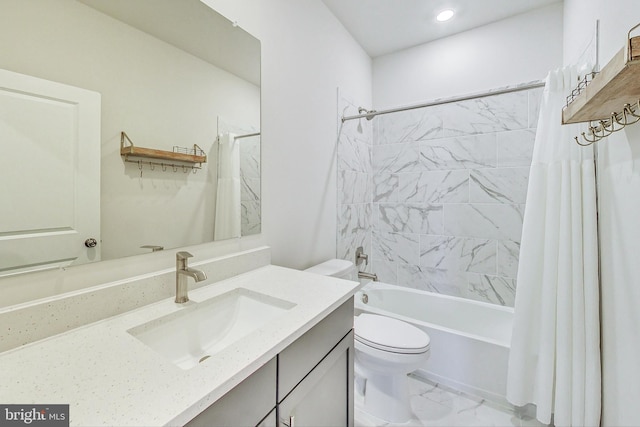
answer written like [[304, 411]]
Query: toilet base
[[386, 386], [387, 397]]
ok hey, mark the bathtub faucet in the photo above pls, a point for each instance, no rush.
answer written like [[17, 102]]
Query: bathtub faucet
[[365, 275]]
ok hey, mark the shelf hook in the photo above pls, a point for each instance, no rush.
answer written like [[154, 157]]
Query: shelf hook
[[585, 138], [604, 127], [634, 109], [623, 120], [593, 134]]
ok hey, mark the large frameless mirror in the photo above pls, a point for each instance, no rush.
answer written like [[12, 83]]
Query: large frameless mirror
[[82, 82]]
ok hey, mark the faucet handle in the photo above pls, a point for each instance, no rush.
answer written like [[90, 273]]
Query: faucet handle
[[361, 256], [181, 256]]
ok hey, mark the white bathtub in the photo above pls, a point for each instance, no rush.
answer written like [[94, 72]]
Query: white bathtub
[[469, 339]]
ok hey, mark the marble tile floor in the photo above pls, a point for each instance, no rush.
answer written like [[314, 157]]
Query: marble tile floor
[[437, 406]]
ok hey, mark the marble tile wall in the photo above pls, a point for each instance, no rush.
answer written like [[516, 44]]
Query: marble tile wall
[[445, 197], [355, 183], [250, 185]]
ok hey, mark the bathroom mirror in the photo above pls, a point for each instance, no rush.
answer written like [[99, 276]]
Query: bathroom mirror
[[169, 73]]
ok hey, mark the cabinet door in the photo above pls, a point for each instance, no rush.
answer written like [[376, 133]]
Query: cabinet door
[[325, 396], [245, 405], [297, 360]]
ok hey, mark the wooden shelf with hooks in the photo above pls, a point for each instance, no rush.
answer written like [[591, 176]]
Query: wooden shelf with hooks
[[617, 85], [192, 156]]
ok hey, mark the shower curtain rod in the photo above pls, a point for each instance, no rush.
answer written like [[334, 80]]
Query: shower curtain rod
[[247, 135], [373, 113]]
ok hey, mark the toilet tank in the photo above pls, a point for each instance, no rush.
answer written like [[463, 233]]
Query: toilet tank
[[340, 268]]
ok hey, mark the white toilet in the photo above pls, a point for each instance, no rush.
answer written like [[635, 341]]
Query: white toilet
[[387, 350]]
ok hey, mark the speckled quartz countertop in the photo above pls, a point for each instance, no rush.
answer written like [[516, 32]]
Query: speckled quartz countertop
[[108, 377]]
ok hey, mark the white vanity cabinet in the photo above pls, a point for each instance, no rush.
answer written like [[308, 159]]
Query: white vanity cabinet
[[309, 383]]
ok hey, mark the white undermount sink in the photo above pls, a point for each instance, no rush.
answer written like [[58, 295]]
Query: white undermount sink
[[191, 335]]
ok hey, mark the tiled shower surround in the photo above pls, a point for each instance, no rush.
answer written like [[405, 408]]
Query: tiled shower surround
[[436, 195], [250, 196], [250, 222]]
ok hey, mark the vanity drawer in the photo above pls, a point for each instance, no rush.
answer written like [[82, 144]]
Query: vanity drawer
[[297, 360]]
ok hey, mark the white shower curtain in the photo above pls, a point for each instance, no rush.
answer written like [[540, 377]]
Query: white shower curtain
[[554, 360], [227, 220]]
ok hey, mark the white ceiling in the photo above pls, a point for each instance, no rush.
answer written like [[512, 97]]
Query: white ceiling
[[386, 26]]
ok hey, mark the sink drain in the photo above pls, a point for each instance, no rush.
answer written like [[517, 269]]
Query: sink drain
[[203, 358]]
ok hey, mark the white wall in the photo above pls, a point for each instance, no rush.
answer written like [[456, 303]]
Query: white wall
[[508, 52], [306, 55], [619, 210]]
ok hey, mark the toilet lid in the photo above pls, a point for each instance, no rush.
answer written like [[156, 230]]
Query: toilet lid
[[388, 334]]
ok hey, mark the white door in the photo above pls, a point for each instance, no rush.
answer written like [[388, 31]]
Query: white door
[[49, 173]]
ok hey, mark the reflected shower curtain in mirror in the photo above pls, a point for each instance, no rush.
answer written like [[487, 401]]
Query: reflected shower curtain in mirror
[[227, 220], [554, 360]]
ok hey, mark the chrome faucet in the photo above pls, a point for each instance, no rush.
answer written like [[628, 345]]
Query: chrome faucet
[[182, 272]]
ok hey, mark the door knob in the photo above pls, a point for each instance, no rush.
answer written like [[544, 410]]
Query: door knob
[[91, 243]]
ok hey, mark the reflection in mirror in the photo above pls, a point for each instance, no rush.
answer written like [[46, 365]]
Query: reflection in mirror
[[168, 73], [237, 181]]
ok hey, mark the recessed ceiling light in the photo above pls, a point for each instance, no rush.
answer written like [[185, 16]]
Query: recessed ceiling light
[[445, 15]]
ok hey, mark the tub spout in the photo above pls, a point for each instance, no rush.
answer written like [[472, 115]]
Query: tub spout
[[365, 275]]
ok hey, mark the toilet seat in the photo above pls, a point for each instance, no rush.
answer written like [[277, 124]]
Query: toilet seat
[[388, 334]]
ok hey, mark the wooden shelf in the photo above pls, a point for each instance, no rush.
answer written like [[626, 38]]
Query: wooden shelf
[[615, 86], [150, 153]]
